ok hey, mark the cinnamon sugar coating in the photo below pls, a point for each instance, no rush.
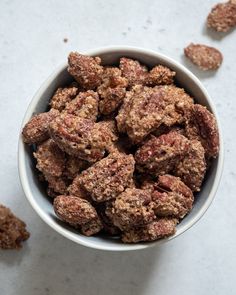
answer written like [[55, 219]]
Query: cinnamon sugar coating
[[62, 96]]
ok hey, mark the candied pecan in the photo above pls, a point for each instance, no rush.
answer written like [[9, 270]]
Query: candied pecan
[[76, 189], [85, 105], [202, 126], [86, 70], [191, 169], [160, 75], [112, 90], [108, 226], [50, 158], [133, 71], [146, 108], [159, 155], [205, 57], [171, 197], [56, 185], [222, 16], [158, 229], [78, 213], [62, 96], [81, 137], [36, 130], [74, 166], [132, 208], [109, 177], [12, 230]]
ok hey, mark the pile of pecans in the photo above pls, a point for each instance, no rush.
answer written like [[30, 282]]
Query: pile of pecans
[[122, 149]]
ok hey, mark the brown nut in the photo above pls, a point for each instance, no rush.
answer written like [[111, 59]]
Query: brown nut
[[56, 185], [108, 226], [160, 75], [12, 230], [159, 155], [171, 197], [158, 229], [222, 17], [111, 91], [85, 105], [81, 137], [76, 189], [202, 126], [62, 96], [86, 70], [77, 212], [74, 166], [50, 158], [192, 168], [131, 208], [109, 177], [205, 57], [133, 71], [36, 130], [146, 108]]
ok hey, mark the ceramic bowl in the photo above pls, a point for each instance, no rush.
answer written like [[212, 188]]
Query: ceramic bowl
[[33, 189]]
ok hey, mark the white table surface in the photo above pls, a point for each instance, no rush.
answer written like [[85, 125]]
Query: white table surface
[[201, 261]]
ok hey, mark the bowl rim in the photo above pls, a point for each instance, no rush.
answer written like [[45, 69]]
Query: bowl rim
[[119, 247]]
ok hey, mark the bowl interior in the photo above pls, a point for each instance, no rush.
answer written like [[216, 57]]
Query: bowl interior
[[36, 193]]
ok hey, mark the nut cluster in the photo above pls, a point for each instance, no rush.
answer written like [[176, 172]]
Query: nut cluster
[[122, 150]]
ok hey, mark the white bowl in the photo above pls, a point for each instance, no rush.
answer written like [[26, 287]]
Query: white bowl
[[33, 188]]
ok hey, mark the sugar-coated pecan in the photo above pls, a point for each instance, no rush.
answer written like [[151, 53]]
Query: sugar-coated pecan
[[81, 137], [222, 17], [132, 208], [205, 57], [109, 177], [158, 229], [202, 126], [112, 90], [85, 105], [159, 155], [86, 70], [78, 213], [36, 130], [62, 96], [160, 75], [133, 71], [50, 158], [12, 230]]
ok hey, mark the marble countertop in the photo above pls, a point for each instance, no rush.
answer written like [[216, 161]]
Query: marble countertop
[[201, 261]]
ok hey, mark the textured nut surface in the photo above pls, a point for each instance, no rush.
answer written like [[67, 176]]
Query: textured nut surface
[[62, 96], [50, 158], [12, 230], [112, 90], [192, 168], [160, 75], [81, 137], [222, 16], [77, 212], [86, 70], [202, 126], [159, 155], [171, 197], [36, 130], [205, 57], [76, 189], [131, 208], [109, 177], [155, 230], [85, 105], [146, 108], [133, 71], [74, 166], [56, 185], [108, 226]]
